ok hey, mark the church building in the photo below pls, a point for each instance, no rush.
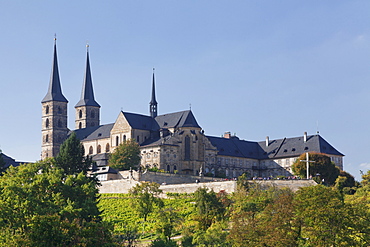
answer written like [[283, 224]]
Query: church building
[[173, 142]]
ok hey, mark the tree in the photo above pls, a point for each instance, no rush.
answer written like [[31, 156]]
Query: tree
[[323, 219], [146, 197], [2, 163], [41, 206], [321, 166], [71, 157], [209, 208], [125, 156]]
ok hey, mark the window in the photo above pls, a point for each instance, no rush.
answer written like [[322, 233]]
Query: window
[[138, 139], [80, 114], [47, 138], [124, 138], [175, 168], [187, 148], [47, 123], [92, 114], [98, 150], [59, 123], [107, 148], [80, 125], [168, 168], [47, 110], [91, 150], [59, 110], [117, 140]]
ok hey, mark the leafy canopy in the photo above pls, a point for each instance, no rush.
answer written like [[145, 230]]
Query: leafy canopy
[[71, 156], [125, 156], [322, 167]]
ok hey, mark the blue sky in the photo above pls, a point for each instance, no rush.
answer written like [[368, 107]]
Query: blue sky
[[254, 68]]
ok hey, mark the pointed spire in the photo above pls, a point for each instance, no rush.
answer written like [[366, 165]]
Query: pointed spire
[[87, 95], [153, 103], [55, 91]]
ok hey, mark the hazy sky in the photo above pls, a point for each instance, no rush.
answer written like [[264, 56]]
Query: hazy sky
[[254, 68]]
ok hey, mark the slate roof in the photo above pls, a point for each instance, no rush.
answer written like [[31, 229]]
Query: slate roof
[[55, 91], [93, 133], [280, 148], [138, 121], [235, 147], [9, 161], [87, 95], [177, 119]]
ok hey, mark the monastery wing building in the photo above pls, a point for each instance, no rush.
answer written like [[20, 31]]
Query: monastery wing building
[[173, 142]]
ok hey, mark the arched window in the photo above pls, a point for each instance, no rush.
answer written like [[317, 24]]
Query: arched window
[[168, 168], [138, 139], [98, 150], [107, 148], [80, 125], [175, 168], [80, 114], [92, 114], [47, 110], [91, 150], [59, 110], [117, 140], [187, 148], [59, 123], [47, 123], [124, 138], [47, 138]]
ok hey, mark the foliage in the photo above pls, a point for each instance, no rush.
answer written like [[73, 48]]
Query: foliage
[[208, 208], [125, 156], [2, 163], [146, 197], [41, 206], [214, 236], [71, 157], [322, 167], [168, 219], [163, 243], [128, 236]]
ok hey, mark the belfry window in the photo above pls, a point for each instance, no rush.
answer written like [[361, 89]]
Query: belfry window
[[59, 110], [80, 125], [47, 123], [80, 114], [47, 138], [47, 110], [92, 114], [59, 123]]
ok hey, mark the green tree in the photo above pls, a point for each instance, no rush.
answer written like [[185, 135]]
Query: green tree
[[41, 206], [125, 156], [167, 221], [214, 236], [146, 195], [322, 218], [209, 208], [2, 163], [322, 167], [71, 157]]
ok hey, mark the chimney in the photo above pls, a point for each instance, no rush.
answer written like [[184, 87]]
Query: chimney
[[267, 141], [227, 135], [305, 136]]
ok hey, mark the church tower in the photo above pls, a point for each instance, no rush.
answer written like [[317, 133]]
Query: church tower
[[87, 109], [153, 103], [54, 114]]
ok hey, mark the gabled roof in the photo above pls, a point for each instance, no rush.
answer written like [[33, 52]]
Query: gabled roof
[[235, 147], [93, 133], [9, 161], [290, 147], [177, 120], [55, 91], [87, 95], [277, 149], [138, 121]]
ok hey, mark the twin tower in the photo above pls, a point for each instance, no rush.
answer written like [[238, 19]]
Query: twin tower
[[54, 110]]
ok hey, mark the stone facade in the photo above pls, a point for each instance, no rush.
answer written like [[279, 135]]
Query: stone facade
[[174, 142]]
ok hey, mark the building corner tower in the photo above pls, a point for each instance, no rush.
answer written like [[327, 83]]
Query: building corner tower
[[87, 109], [153, 103], [54, 114]]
